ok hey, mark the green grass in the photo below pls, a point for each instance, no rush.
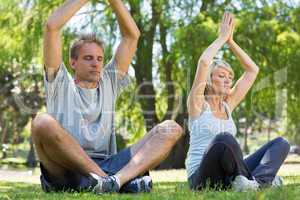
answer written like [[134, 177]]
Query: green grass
[[162, 190]]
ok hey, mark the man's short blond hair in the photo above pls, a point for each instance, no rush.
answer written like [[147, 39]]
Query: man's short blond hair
[[83, 39]]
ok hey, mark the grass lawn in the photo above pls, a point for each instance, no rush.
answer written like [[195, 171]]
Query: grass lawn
[[164, 188]]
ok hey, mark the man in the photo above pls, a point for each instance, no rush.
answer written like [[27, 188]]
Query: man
[[75, 140]]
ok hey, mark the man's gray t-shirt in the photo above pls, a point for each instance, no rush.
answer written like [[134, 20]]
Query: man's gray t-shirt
[[87, 114]]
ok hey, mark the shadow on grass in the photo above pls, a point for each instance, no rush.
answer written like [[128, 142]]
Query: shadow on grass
[[162, 190]]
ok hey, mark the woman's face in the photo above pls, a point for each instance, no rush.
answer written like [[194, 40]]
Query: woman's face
[[221, 81]]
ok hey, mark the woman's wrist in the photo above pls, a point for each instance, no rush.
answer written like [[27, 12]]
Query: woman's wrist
[[221, 40], [231, 43]]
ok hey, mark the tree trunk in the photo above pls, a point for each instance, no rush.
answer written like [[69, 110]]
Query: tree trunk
[[3, 141], [269, 130], [31, 158], [143, 64], [176, 158], [4, 135], [143, 71], [246, 148]]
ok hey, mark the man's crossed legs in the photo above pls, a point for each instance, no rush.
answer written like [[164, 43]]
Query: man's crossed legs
[[63, 160]]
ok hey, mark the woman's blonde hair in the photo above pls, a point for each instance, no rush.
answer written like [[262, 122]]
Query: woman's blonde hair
[[214, 65]]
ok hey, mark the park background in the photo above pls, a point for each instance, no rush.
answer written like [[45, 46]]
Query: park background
[[174, 33]]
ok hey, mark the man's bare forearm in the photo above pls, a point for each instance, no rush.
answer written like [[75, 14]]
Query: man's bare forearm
[[52, 38], [64, 13], [127, 25]]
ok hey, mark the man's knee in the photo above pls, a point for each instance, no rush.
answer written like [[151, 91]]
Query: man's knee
[[283, 144], [41, 126], [169, 130]]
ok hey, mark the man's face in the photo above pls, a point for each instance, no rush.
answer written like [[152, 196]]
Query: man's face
[[88, 65]]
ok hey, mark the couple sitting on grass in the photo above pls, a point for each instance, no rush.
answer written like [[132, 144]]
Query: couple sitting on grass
[[76, 141]]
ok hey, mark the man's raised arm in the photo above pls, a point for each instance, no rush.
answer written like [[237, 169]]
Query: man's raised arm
[[52, 39], [130, 35]]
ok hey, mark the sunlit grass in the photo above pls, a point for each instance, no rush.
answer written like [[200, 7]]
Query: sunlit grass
[[169, 184]]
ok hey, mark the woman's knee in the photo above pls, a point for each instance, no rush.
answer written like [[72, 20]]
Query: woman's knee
[[227, 139], [228, 142], [283, 144], [224, 155], [225, 136]]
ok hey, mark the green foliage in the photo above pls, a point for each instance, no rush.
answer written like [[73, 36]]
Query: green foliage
[[269, 37], [174, 34]]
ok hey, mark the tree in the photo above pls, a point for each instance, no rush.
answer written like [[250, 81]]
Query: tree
[[174, 34]]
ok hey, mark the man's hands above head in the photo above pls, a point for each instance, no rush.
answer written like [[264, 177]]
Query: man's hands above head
[[130, 35], [52, 39]]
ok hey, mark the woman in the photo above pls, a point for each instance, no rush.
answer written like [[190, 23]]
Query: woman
[[215, 159]]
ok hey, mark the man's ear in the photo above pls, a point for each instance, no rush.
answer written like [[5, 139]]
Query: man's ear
[[72, 63]]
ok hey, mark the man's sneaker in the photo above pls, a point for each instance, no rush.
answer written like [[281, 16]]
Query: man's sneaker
[[241, 184], [277, 181], [137, 185], [105, 184]]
